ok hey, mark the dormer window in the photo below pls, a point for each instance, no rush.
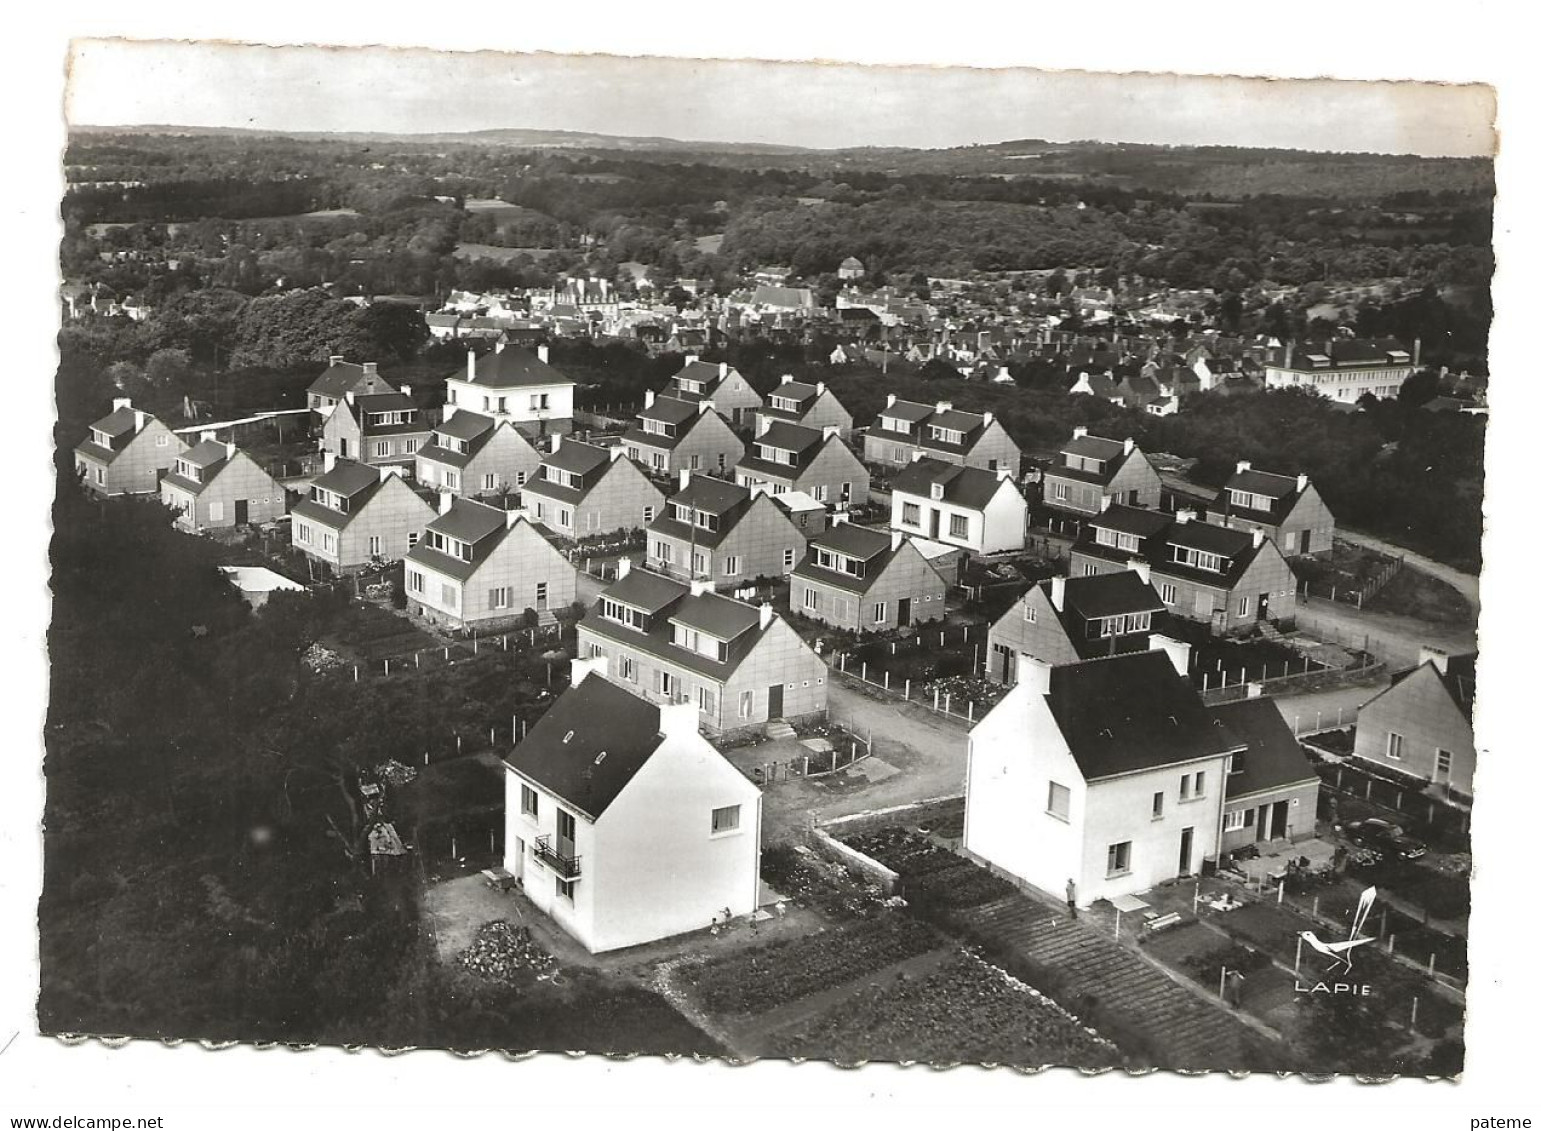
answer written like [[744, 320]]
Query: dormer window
[[1198, 559], [894, 424], [454, 547], [1247, 500], [188, 471], [1117, 539], [776, 455], [687, 385], [839, 563], [623, 614], [657, 427], [1122, 625], [946, 435], [100, 438], [694, 640]]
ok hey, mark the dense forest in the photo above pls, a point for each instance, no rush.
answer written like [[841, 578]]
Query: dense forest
[[204, 874]]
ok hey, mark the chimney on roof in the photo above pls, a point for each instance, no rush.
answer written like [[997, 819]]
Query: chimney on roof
[[692, 358], [785, 378], [684, 478], [556, 441], [1057, 592], [446, 501], [544, 353], [1002, 474], [328, 461], [622, 567], [722, 369], [1104, 503], [121, 402], [387, 471], [943, 406], [1289, 353], [470, 365], [207, 437], [699, 585], [371, 368], [583, 668], [988, 417], [141, 418], [1186, 515], [678, 720], [348, 396], [892, 397], [648, 398], [335, 359], [509, 518], [1180, 652], [1128, 445], [1141, 567], [1436, 656], [406, 390], [1243, 465], [705, 407], [1302, 481], [1079, 433], [616, 452], [229, 450], [1033, 674], [767, 614], [831, 431], [819, 389], [839, 517], [895, 539], [1417, 350], [761, 424], [497, 346]]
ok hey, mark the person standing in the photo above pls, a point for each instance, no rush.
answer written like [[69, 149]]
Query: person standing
[[1070, 896]]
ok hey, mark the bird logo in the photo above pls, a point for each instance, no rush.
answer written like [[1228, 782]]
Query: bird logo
[[1342, 953]]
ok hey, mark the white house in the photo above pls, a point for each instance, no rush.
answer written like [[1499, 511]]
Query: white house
[[1109, 773], [516, 386], [980, 511], [623, 824]]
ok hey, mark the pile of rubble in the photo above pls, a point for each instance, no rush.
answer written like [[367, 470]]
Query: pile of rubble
[[319, 658], [394, 773], [504, 953]]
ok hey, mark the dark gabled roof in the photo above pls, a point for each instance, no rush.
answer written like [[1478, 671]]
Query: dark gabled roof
[[210, 456], [589, 745], [1273, 757], [706, 493], [1208, 537], [854, 541], [799, 391], [336, 380], [577, 457], [347, 478], [970, 487], [1125, 519], [913, 411], [790, 437], [1094, 447], [466, 425], [1130, 713], [1262, 483], [670, 410], [469, 521], [1111, 594], [358, 498], [118, 422], [715, 615], [512, 368], [649, 592], [1460, 679], [957, 420]]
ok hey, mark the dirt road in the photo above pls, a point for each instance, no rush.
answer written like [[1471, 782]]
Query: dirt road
[[1465, 583]]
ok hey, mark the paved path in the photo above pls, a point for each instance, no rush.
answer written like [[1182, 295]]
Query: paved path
[[1301, 711], [1181, 1028], [1393, 638], [1465, 583]]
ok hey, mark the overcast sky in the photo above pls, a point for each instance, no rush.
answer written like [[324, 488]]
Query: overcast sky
[[828, 105]]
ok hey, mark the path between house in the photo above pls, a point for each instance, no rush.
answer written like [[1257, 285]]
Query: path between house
[[1186, 1030], [1393, 638], [1465, 583], [930, 754]]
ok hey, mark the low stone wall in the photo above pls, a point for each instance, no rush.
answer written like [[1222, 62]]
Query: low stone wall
[[846, 856], [927, 812]]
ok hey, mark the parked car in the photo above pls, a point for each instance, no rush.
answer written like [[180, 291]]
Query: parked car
[[1384, 837]]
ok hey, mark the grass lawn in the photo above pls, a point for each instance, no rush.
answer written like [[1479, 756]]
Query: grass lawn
[[1413, 593]]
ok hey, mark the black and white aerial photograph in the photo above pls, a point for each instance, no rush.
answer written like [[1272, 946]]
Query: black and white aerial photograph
[[749, 561]]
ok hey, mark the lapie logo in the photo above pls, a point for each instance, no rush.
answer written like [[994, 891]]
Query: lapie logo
[[1342, 953]]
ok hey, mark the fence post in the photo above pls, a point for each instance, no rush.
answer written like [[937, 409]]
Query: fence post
[[947, 707], [907, 691], [355, 673], [886, 674], [1431, 965], [1206, 681], [417, 658], [936, 698], [387, 667], [971, 711], [864, 671]]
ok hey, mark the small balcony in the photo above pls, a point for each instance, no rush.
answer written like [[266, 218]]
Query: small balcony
[[567, 867]]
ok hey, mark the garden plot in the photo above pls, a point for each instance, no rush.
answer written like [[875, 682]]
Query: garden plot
[[966, 1010]]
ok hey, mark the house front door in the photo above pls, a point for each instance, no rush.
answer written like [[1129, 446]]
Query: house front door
[[1185, 853], [519, 859], [241, 509], [774, 698], [936, 525], [904, 611], [1305, 541], [1262, 822], [1262, 606], [1279, 826]]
